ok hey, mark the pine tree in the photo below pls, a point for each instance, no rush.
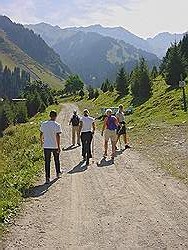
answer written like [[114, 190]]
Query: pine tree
[[73, 84], [105, 86], [96, 94], [140, 82], [184, 47], [122, 84], [154, 72], [91, 93], [175, 67], [111, 88], [81, 93]]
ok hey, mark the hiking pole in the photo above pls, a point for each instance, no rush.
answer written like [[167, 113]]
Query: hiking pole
[[93, 149]]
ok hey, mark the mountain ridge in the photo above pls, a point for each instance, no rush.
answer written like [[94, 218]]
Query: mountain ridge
[[95, 57], [34, 46], [149, 44]]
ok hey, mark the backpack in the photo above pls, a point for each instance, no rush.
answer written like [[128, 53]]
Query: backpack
[[75, 120], [111, 124]]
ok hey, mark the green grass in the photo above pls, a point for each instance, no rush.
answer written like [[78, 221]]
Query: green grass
[[164, 106], [21, 162], [154, 126]]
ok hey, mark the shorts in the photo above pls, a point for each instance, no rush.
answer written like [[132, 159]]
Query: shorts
[[121, 130], [110, 134]]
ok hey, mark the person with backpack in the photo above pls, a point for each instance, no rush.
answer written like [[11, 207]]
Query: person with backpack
[[75, 121], [109, 131], [50, 140], [121, 130], [87, 129]]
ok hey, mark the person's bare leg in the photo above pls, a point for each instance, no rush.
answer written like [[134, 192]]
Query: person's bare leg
[[78, 135], [73, 135], [125, 139], [118, 137], [113, 148], [105, 148]]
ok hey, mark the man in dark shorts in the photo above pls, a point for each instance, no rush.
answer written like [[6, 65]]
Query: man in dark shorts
[[121, 130]]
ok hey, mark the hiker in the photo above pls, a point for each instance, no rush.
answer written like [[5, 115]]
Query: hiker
[[87, 129], [109, 130], [121, 130], [50, 140], [75, 121]]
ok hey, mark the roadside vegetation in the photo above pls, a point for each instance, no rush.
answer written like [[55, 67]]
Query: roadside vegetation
[[21, 161]]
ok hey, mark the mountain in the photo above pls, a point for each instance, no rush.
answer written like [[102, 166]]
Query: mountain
[[117, 33], [157, 45], [161, 42], [51, 34], [34, 46], [91, 55], [12, 56], [95, 57]]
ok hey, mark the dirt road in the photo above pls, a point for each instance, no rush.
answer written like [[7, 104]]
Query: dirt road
[[126, 205]]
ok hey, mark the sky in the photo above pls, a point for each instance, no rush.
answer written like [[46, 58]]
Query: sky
[[144, 18]]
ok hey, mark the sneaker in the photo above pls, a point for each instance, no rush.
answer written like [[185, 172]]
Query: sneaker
[[58, 175], [127, 146], [84, 158], [47, 181]]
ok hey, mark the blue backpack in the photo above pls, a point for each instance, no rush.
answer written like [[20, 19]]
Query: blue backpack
[[111, 123]]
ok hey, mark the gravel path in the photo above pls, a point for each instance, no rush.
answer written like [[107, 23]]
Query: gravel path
[[130, 204]]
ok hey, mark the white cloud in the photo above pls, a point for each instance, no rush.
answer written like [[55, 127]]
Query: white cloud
[[142, 17]]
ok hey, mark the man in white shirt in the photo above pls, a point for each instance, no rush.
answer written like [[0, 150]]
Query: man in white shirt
[[87, 129], [50, 140]]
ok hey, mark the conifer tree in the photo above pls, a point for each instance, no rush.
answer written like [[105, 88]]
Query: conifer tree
[[91, 93], [96, 94], [154, 72], [81, 93], [175, 67], [122, 84], [140, 82]]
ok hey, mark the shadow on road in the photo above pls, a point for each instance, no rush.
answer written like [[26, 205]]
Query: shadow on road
[[78, 168], [105, 163], [119, 152], [39, 190], [71, 147]]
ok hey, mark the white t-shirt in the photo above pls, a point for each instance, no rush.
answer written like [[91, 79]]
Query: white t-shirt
[[49, 130], [120, 116], [87, 122]]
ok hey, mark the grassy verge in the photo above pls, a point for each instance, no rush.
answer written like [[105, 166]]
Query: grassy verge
[[21, 161]]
